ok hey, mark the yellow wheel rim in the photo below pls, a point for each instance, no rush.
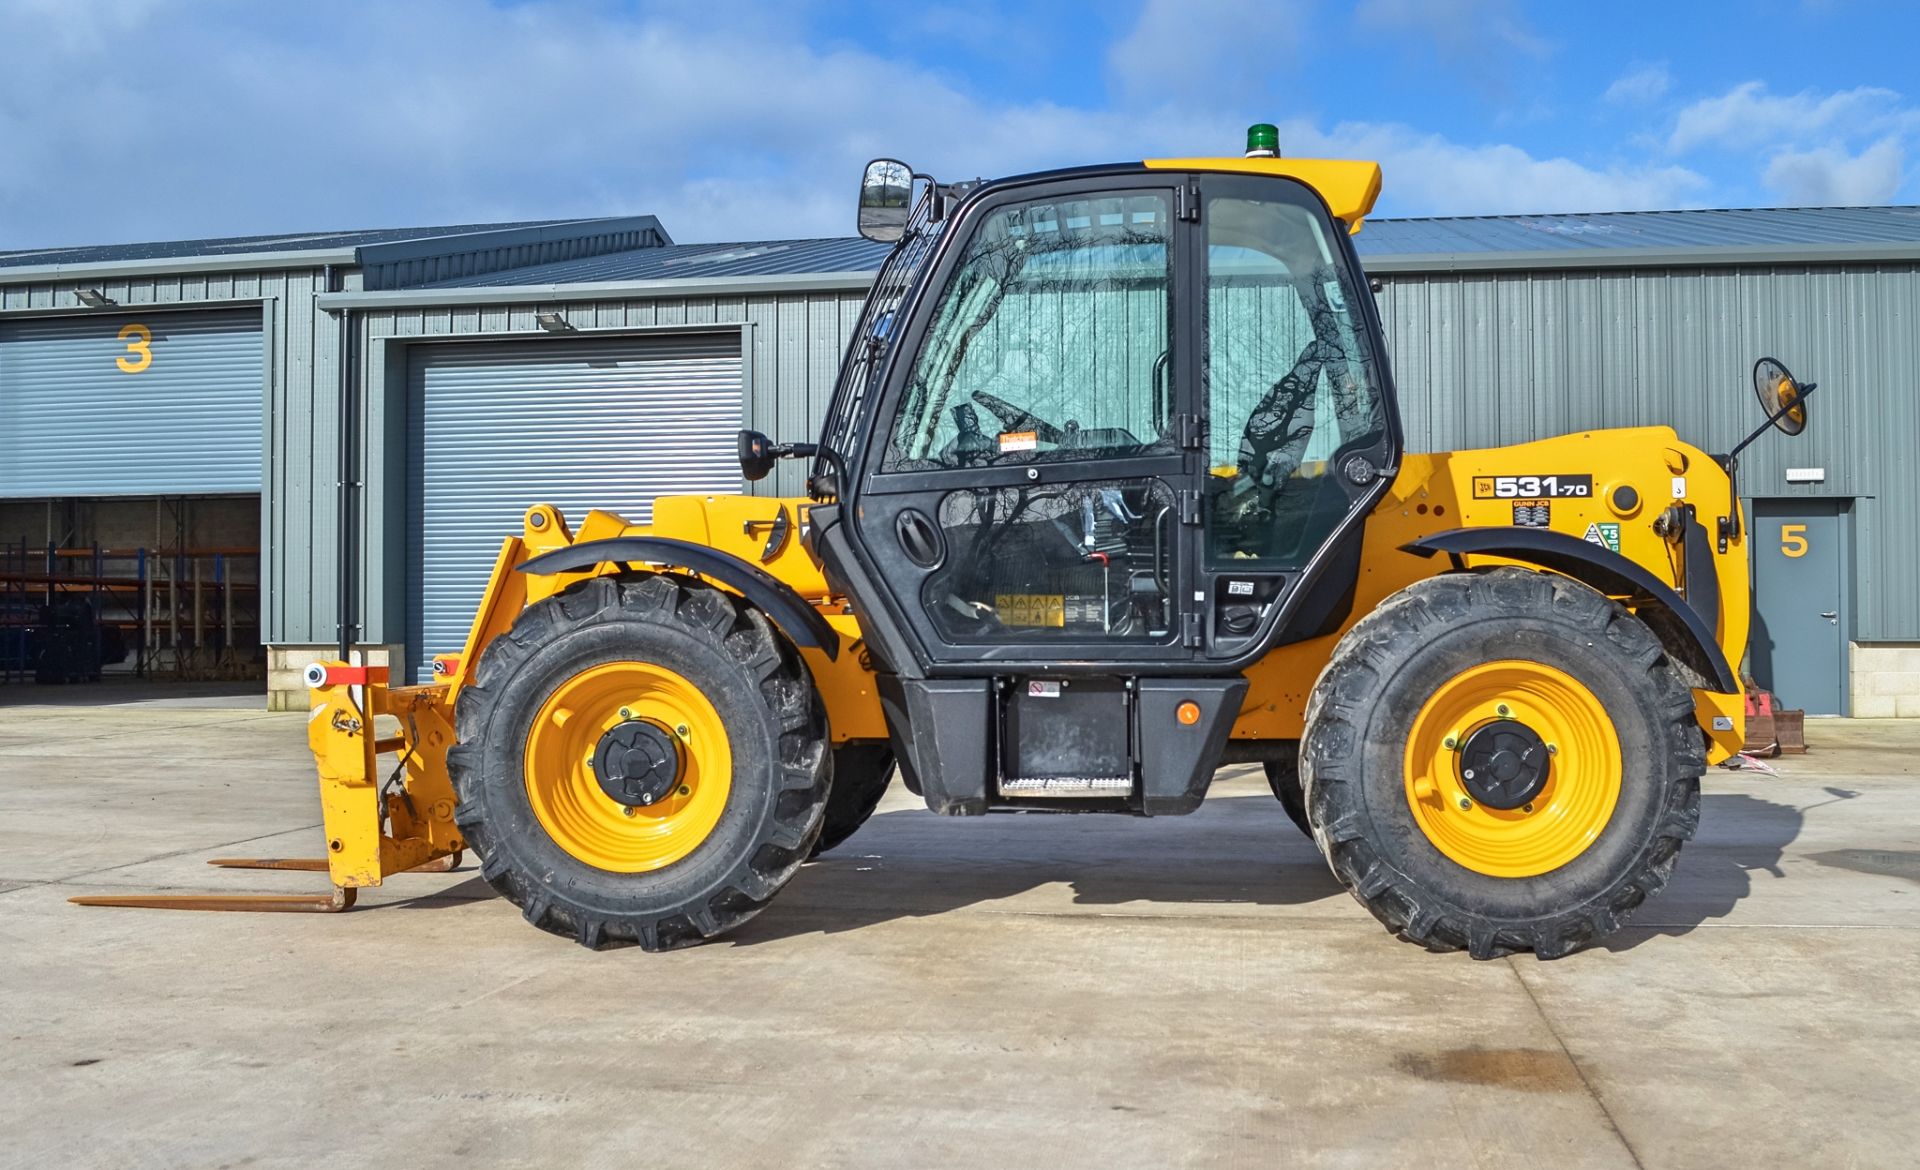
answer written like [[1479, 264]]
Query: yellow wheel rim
[[1583, 770], [567, 798]]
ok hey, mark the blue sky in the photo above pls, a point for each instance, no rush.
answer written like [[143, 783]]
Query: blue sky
[[159, 119]]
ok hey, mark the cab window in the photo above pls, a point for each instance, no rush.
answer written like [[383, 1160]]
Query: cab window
[[1050, 341], [1290, 386]]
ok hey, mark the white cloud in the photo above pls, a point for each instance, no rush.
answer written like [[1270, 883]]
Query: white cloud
[[1641, 84], [1829, 176], [1748, 115], [1430, 175], [228, 118], [1462, 29], [1204, 52]]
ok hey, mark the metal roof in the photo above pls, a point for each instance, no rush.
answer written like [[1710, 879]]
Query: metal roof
[[696, 262], [242, 245], [1753, 227], [1505, 241]]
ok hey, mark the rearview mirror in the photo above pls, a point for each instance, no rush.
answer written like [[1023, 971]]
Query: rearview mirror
[[885, 192], [1780, 396]]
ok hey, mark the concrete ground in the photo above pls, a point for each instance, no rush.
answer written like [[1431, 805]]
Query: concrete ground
[[1035, 991]]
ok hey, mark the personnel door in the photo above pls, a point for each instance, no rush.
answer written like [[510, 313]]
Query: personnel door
[[1798, 647], [1028, 499]]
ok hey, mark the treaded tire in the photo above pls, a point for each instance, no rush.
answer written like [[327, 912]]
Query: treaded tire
[[861, 774], [776, 727], [1283, 776], [1357, 726]]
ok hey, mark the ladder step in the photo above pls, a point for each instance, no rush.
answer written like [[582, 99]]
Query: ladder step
[[1094, 786]]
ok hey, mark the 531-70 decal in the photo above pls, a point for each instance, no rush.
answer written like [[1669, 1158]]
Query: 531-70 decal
[[1532, 487]]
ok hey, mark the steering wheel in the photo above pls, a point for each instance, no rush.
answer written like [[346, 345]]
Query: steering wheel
[[1018, 418]]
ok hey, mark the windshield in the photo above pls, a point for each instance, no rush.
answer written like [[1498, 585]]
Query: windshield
[[878, 324]]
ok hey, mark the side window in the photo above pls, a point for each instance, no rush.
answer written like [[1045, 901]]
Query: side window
[[1049, 343], [1289, 385]]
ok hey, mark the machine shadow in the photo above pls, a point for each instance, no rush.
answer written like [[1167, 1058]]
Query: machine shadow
[[1237, 850], [908, 863], [1739, 834]]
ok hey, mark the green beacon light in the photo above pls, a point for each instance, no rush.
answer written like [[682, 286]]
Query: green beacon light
[[1263, 140]]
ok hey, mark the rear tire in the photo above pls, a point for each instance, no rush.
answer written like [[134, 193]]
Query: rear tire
[[1361, 765], [1283, 776], [774, 752], [861, 774]]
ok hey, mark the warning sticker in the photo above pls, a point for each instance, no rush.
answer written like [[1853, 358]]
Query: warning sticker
[[1604, 533], [1019, 440], [1040, 688], [1031, 609]]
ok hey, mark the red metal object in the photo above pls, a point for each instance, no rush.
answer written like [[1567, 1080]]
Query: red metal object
[[335, 674]]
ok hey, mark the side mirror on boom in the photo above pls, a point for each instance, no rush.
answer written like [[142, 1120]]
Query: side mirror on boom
[[886, 191], [758, 454]]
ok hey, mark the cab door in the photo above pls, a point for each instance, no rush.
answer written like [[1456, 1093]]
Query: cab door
[[1030, 497], [1301, 437]]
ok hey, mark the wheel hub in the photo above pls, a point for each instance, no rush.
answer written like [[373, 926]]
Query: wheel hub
[[1504, 764], [637, 763]]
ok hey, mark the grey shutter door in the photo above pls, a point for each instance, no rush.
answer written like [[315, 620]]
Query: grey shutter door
[[497, 428], [75, 422]]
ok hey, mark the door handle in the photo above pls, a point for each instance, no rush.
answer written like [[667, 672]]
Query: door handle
[[919, 539], [1831, 615]]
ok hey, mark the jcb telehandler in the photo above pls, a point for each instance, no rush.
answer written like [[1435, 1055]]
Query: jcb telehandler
[[1111, 493]]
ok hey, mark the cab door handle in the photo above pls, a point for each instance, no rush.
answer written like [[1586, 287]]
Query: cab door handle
[[1830, 615], [919, 539]]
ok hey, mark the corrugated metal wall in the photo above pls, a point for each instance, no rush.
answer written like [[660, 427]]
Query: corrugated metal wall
[[1483, 359], [1480, 359], [603, 423], [793, 347]]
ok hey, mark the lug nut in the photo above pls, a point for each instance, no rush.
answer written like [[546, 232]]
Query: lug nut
[[626, 811], [684, 790], [1450, 743], [1526, 808], [681, 730], [1503, 710], [1553, 749], [625, 714], [1465, 804]]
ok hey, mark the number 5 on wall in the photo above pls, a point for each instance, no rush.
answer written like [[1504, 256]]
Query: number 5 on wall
[[1793, 540], [139, 341]]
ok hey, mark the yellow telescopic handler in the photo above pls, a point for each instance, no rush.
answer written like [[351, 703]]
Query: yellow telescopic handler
[[1111, 493]]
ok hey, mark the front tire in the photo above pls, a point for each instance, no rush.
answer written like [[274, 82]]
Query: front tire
[[861, 773], [1501, 761], [709, 734]]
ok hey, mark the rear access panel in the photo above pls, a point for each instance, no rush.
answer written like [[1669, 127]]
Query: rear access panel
[[1066, 737]]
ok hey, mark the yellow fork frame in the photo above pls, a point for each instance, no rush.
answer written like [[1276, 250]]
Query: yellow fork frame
[[373, 828]]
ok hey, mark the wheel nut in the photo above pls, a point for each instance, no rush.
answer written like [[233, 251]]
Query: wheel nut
[[1553, 749], [1465, 804], [684, 790], [626, 811], [1526, 808], [1450, 743], [625, 714], [681, 730], [1503, 710]]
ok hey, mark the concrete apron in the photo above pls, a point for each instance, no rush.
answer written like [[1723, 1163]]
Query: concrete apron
[[1026, 989]]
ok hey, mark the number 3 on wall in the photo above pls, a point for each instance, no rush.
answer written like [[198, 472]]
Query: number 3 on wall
[[1793, 540], [139, 341]]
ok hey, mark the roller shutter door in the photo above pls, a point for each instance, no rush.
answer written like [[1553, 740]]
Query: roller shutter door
[[496, 428], [131, 404]]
